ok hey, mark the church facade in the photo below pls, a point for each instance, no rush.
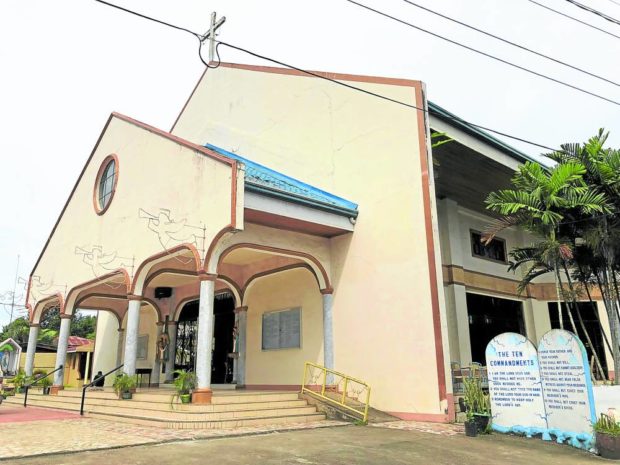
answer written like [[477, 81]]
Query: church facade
[[285, 219]]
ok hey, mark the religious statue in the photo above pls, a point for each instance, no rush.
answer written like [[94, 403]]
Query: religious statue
[[162, 345]]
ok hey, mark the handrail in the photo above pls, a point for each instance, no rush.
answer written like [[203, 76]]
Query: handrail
[[96, 380], [328, 374], [36, 380]]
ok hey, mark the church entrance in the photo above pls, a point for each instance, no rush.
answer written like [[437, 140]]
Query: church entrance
[[223, 335]]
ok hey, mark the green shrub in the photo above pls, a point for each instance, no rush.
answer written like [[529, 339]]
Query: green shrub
[[476, 401], [607, 424]]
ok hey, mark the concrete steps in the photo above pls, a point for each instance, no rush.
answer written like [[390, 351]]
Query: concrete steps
[[229, 409]]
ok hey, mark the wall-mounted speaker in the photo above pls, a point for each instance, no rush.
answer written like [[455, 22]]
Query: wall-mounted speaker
[[163, 292]]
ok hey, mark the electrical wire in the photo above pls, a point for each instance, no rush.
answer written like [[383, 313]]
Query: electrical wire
[[485, 54], [323, 77], [201, 38], [596, 12], [383, 97], [522, 47], [575, 19]]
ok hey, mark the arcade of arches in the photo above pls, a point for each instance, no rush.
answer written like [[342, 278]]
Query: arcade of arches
[[266, 311]]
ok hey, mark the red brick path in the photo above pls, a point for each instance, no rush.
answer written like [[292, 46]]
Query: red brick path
[[13, 414]]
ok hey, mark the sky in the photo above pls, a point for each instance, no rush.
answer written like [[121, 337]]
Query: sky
[[66, 65]]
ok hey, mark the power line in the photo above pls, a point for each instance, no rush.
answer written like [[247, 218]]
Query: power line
[[575, 19], [320, 76], [480, 52], [522, 47], [201, 37], [596, 12], [383, 97]]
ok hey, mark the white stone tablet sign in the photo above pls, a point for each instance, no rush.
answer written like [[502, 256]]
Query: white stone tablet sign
[[515, 385], [567, 387]]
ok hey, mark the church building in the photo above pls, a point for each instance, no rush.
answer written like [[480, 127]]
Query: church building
[[284, 219]]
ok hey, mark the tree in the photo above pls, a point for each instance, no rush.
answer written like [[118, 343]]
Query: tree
[[540, 201], [18, 329]]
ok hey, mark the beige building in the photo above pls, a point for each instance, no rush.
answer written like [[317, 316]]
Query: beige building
[[287, 219]]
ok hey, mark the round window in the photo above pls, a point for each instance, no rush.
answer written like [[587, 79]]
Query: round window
[[106, 183]]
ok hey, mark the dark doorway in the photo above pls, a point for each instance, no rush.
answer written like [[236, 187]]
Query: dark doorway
[[222, 365], [589, 314], [488, 317], [187, 331]]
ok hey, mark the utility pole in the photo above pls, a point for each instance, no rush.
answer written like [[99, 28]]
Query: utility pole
[[14, 290], [211, 33]]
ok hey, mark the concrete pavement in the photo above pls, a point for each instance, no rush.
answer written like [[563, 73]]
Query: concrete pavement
[[370, 445]]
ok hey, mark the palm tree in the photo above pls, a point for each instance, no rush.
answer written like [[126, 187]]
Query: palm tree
[[540, 202], [600, 234]]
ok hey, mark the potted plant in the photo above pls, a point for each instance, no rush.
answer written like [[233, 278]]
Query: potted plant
[[477, 407], [184, 383], [123, 386], [608, 437], [46, 384]]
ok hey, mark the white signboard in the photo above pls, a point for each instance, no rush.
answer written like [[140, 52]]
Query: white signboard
[[567, 384], [514, 385]]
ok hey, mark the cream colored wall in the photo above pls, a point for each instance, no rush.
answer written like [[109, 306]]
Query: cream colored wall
[[367, 151], [106, 345], [154, 173], [147, 327], [289, 289]]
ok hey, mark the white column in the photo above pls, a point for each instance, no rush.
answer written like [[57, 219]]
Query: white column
[[172, 351], [87, 368], [204, 339], [61, 350], [242, 318], [32, 348], [131, 334], [119, 349], [157, 363], [328, 332]]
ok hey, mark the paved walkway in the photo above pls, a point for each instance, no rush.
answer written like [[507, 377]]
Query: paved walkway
[[335, 446], [26, 432]]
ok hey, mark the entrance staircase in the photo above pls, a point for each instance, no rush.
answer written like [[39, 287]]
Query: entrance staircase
[[154, 407]]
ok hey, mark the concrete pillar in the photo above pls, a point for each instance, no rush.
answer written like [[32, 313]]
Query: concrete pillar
[[131, 334], [242, 323], [32, 348], [328, 331], [119, 344], [87, 379], [157, 363], [61, 351], [204, 350], [172, 351]]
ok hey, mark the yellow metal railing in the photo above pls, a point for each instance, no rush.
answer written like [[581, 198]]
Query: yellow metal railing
[[337, 388]]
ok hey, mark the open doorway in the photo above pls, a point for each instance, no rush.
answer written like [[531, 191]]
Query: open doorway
[[223, 328], [488, 317]]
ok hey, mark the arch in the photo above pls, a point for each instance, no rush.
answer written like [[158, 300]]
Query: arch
[[157, 273], [142, 273], [181, 304], [106, 309], [264, 274], [315, 265], [234, 288], [45, 304], [153, 304], [74, 294]]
